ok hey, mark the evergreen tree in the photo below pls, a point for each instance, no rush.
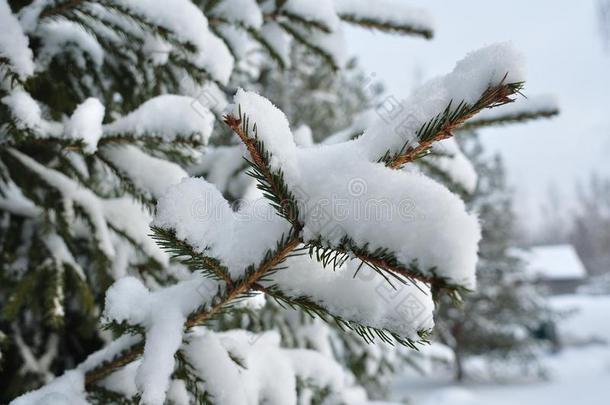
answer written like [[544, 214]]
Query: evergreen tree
[[104, 106], [501, 320]]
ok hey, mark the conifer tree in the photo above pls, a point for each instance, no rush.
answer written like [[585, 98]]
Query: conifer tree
[[500, 321], [104, 106]]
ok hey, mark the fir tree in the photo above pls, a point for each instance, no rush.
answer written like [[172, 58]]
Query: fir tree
[[501, 320], [104, 105]]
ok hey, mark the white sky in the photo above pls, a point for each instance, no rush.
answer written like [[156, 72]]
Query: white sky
[[565, 56]]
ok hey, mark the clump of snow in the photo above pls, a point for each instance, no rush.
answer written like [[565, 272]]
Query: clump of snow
[[163, 314], [157, 49], [223, 379], [489, 66], [196, 211], [245, 12], [270, 372], [108, 353], [86, 123], [166, 116], [187, 22], [479, 70], [13, 200], [57, 247], [28, 15], [274, 130], [28, 114], [122, 381], [69, 389], [14, 44], [303, 136], [403, 308], [59, 34], [148, 173], [24, 108]]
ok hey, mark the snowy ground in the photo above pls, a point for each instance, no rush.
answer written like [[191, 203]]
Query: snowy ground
[[579, 374]]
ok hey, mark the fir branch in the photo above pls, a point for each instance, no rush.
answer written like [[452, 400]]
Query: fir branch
[[442, 126], [387, 26], [204, 314], [270, 182], [106, 368], [255, 34], [193, 140], [509, 118], [302, 39], [307, 23], [195, 261]]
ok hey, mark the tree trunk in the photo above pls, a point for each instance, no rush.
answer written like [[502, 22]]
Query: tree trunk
[[459, 367], [458, 364]]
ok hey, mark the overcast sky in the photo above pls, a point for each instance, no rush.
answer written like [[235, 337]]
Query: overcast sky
[[565, 57]]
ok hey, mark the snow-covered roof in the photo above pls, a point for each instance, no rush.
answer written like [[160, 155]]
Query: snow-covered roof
[[554, 262]]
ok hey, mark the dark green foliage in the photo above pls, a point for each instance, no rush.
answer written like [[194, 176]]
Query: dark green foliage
[[185, 254]]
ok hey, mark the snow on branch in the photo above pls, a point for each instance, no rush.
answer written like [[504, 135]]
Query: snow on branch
[[317, 13], [104, 215], [16, 58], [168, 117], [404, 131], [27, 117], [386, 15], [72, 191], [148, 173], [389, 216]]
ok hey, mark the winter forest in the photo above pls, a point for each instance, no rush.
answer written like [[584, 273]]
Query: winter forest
[[304, 202]]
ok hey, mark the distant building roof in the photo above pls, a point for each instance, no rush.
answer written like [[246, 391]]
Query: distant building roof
[[555, 262]]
